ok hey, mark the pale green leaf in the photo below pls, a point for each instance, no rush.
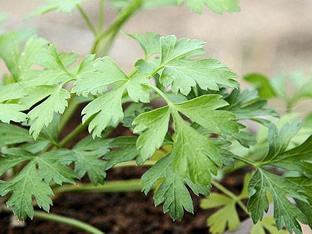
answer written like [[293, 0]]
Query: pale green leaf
[[150, 43], [93, 77], [104, 110], [138, 89], [66, 6], [12, 112], [203, 110], [154, 123], [183, 73], [42, 115], [267, 224]]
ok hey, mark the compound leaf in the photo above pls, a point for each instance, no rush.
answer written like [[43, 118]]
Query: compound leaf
[[172, 190], [183, 73], [153, 123], [24, 186], [12, 134], [104, 110], [87, 158], [123, 150], [285, 213], [52, 170], [94, 76]]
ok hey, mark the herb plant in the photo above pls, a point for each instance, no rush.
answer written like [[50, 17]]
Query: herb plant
[[200, 126]]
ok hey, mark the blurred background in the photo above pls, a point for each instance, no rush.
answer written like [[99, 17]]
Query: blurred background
[[266, 36]]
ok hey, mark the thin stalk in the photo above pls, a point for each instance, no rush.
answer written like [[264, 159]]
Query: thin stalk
[[161, 94], [109, 43], [108, 187], [101, 15], [134, 164], [72, 107], [121, 19], [246, 161], [87, 20], [230, 194], [68, 221], [79, 129]]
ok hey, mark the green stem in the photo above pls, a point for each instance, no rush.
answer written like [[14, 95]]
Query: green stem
[[72, 107], [246, 161], [108, 187], [101, 15], [79, 129], [87, 20], [121, 19], [134, 164], [161, 93], [230, 194], [68, 221]]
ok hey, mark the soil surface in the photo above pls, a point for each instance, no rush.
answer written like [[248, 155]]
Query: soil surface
[[119, 212]]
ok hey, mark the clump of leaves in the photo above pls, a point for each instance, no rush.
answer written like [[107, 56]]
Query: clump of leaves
[[195, 128]]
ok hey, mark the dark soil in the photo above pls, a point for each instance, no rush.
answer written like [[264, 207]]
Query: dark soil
[[119, 212]]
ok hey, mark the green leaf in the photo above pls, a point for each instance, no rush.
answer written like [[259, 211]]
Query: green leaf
[[194, 155], [183, 73], [42, 115], [267, 224], [153, 123], [226, 216], [173, 49], [221, 6], [87, 158], [285, 213], [262, 84], [123, 150], [52, 170], [11, 91], [17, 61], [297, 159], [203, 110], [12, 112], [172, 190], [247, 105], [26, 185], [150, 43], [11, 134], [94, 76], [279, 141], [54, 71], [13, 157], [104, 110], [147, 4], [66, 6], [138, 89], [218, 6]]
